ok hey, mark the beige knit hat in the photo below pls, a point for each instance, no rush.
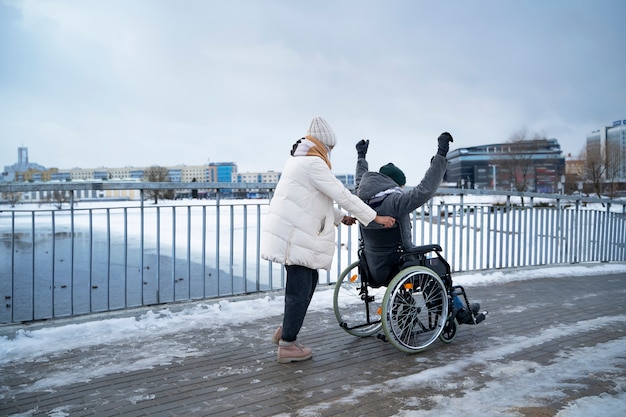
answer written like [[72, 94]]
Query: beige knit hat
[[321, 130]]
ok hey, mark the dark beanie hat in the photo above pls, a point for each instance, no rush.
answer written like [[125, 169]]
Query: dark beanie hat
[[394, 173]]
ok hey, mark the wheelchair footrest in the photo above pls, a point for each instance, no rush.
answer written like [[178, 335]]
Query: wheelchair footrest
[[480, 317]]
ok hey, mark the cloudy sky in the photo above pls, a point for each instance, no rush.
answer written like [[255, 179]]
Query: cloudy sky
[[88, 83]]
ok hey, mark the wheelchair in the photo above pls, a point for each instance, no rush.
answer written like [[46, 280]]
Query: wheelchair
[[412, 304]]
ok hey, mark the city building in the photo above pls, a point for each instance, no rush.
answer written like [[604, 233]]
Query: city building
[[212, 172], [24, 170], [346, 179], [531, 165], [257, 177], [606, 152]]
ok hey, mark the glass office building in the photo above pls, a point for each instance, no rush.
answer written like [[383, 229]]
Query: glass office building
[[616, 150], [490, 166]]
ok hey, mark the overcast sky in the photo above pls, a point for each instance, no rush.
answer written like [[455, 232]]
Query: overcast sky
[[90, 83]]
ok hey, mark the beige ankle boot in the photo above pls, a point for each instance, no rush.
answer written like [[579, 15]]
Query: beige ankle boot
[[292, 352]]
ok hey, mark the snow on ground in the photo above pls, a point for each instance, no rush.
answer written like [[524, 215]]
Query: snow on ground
[[35, 344], [515, 383]]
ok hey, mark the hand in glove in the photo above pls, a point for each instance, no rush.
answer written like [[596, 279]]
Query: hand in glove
[[348, 220], [444, 143], [361, 147]]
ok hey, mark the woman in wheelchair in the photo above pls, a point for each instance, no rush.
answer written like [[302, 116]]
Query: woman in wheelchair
[[419, 302]]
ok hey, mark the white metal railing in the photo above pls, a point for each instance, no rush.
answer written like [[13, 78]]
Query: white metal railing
[[100, 256]]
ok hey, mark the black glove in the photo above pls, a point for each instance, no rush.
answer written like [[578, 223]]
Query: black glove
[[444, 143], [361, 147]]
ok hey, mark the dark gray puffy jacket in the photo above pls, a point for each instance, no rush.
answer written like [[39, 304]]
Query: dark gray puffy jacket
[[384, 196]]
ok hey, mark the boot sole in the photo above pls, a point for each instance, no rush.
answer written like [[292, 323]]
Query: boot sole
[[289, 360]]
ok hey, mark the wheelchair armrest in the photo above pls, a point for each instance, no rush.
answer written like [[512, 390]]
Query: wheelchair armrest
[[424, 249]]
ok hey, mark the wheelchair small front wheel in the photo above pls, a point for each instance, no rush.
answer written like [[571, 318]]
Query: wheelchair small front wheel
[[449, 331], [415, 309], [358, 313]]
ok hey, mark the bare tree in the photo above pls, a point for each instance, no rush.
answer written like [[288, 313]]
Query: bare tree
[[577, 175], [57, 198], [158, 174], [515, 161], [13, 197], [595, 166], [612, 163]]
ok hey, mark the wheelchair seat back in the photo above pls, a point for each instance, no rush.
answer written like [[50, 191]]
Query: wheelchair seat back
[[379, 254], [382, 256]]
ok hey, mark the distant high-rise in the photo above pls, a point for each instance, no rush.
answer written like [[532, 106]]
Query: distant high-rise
[[608, 146], [22, 157], [15, 172]]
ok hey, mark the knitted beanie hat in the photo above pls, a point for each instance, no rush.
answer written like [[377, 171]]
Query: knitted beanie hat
[[394, 173], [321, 130]]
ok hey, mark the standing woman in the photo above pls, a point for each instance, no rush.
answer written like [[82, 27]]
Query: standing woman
[[299, 231]]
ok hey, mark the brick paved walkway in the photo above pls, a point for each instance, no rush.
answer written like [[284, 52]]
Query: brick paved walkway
[[532, 325]]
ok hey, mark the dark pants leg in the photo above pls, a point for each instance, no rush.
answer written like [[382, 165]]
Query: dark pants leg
[[299, 289]]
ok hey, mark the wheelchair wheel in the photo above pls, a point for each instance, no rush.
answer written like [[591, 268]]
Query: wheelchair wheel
[[415, 309], [355, 314], [449, 331]]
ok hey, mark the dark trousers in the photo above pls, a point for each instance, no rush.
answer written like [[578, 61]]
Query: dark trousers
[[299, 289]]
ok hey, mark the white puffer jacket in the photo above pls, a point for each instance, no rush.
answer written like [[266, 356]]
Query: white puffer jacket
[[300, 226]]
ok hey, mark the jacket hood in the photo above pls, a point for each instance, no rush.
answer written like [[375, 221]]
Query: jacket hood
[[372, 183]]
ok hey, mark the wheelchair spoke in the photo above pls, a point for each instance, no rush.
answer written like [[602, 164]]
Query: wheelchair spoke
[[416, 306]]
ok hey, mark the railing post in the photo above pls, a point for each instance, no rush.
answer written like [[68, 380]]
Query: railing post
[[72, 252], [558, 251], [245, 249], [141, 251], [258, 247], [217, 238], [231, 252], [174, 281], [461, 223], [13, 289], [623, 233], [203, 257], [622, 244], [607, 231], [157, 278], [188, 254], [507, 234], [33, 263]]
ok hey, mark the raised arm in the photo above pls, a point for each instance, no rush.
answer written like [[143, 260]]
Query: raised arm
[[427, 188], [361, 163]]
